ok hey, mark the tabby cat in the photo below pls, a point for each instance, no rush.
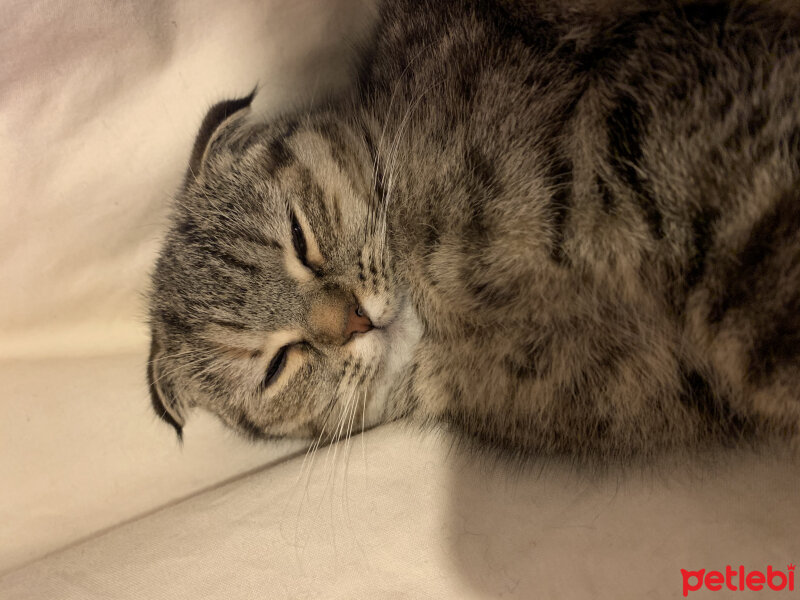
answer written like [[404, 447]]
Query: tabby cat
[[556, 227]]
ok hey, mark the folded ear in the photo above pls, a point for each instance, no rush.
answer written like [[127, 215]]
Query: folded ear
[[212, 127], [162, 394]]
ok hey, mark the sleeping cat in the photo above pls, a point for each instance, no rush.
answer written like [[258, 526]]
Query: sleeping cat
[[560, 229]]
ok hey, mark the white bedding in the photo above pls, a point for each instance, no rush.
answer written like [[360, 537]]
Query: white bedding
[[98, 106], [402, 517], [82, 451]]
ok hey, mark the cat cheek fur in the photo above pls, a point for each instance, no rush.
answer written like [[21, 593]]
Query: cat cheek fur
[[313, 171]]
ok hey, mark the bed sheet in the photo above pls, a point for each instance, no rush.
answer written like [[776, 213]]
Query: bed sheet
[[399, 513]]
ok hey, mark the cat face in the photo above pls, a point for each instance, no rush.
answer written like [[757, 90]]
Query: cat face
[[275, 304]]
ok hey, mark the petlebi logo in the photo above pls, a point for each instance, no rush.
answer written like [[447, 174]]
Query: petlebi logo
[[739, 579]]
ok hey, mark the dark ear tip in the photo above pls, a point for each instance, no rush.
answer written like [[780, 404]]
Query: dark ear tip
[[161, 397], [251, 95], [161, 413], [213, 119]]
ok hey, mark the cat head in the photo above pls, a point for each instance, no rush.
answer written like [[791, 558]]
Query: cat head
[[275, 304]]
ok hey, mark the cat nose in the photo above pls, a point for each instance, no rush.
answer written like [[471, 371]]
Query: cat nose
[[334, 317], [357, 321]]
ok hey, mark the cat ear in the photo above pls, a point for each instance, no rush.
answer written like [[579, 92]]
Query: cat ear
[[162, 394], [213, 124]]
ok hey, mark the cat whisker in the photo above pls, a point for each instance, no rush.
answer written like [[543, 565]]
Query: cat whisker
[[346, 477], [336, 436], [374, 214], [309, 459], [312, 449], [393, 159], [174, 355], [339, 429], [411, 61], [167, 373], [311, 452]]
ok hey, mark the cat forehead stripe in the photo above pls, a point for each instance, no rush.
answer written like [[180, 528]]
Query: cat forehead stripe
[[315, 151]]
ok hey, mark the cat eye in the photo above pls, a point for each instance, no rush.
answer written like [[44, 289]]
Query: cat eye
[[299, 242], [275, 367]]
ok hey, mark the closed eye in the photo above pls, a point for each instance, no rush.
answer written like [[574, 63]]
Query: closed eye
[[275, 367], [299, 242]]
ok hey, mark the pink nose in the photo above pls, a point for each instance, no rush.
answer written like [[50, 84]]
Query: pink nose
[[357, 321]]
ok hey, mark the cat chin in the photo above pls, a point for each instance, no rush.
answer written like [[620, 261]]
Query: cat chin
[[398, 340], [390, 345]]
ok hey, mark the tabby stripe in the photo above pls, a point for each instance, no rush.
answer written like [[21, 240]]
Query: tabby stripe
[[257, 237], [279, 156], [348, 165], [231, 260], [345, 157], [561, 180], [793, 143], [228, 324], [615, 43], [716, 413], [409, 397], [191, 232], [211, 381], [337, 212], [312, 192], [626, 125], [702, 239], [361, 270], [749, 130], [482, 184], [484, 291], [533, 364], [537, 32], [378, 181], [174, 322], [612, 353], [776, 229], [763, 278], [777, 341], [606, 197], [230, 221], [249, 427]]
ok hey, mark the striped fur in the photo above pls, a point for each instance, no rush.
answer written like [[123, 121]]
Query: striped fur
[[578, 225]]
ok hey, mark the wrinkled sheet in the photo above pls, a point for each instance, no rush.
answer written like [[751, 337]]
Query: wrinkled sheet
[[99, 103]]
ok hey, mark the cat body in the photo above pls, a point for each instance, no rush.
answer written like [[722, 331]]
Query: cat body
[[560, 231]]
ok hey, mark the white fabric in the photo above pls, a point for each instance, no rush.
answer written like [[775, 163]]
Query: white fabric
[[403, 517], [81, 450], [98, 106]]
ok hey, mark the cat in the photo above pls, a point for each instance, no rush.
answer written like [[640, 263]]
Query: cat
[[559, 229]]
